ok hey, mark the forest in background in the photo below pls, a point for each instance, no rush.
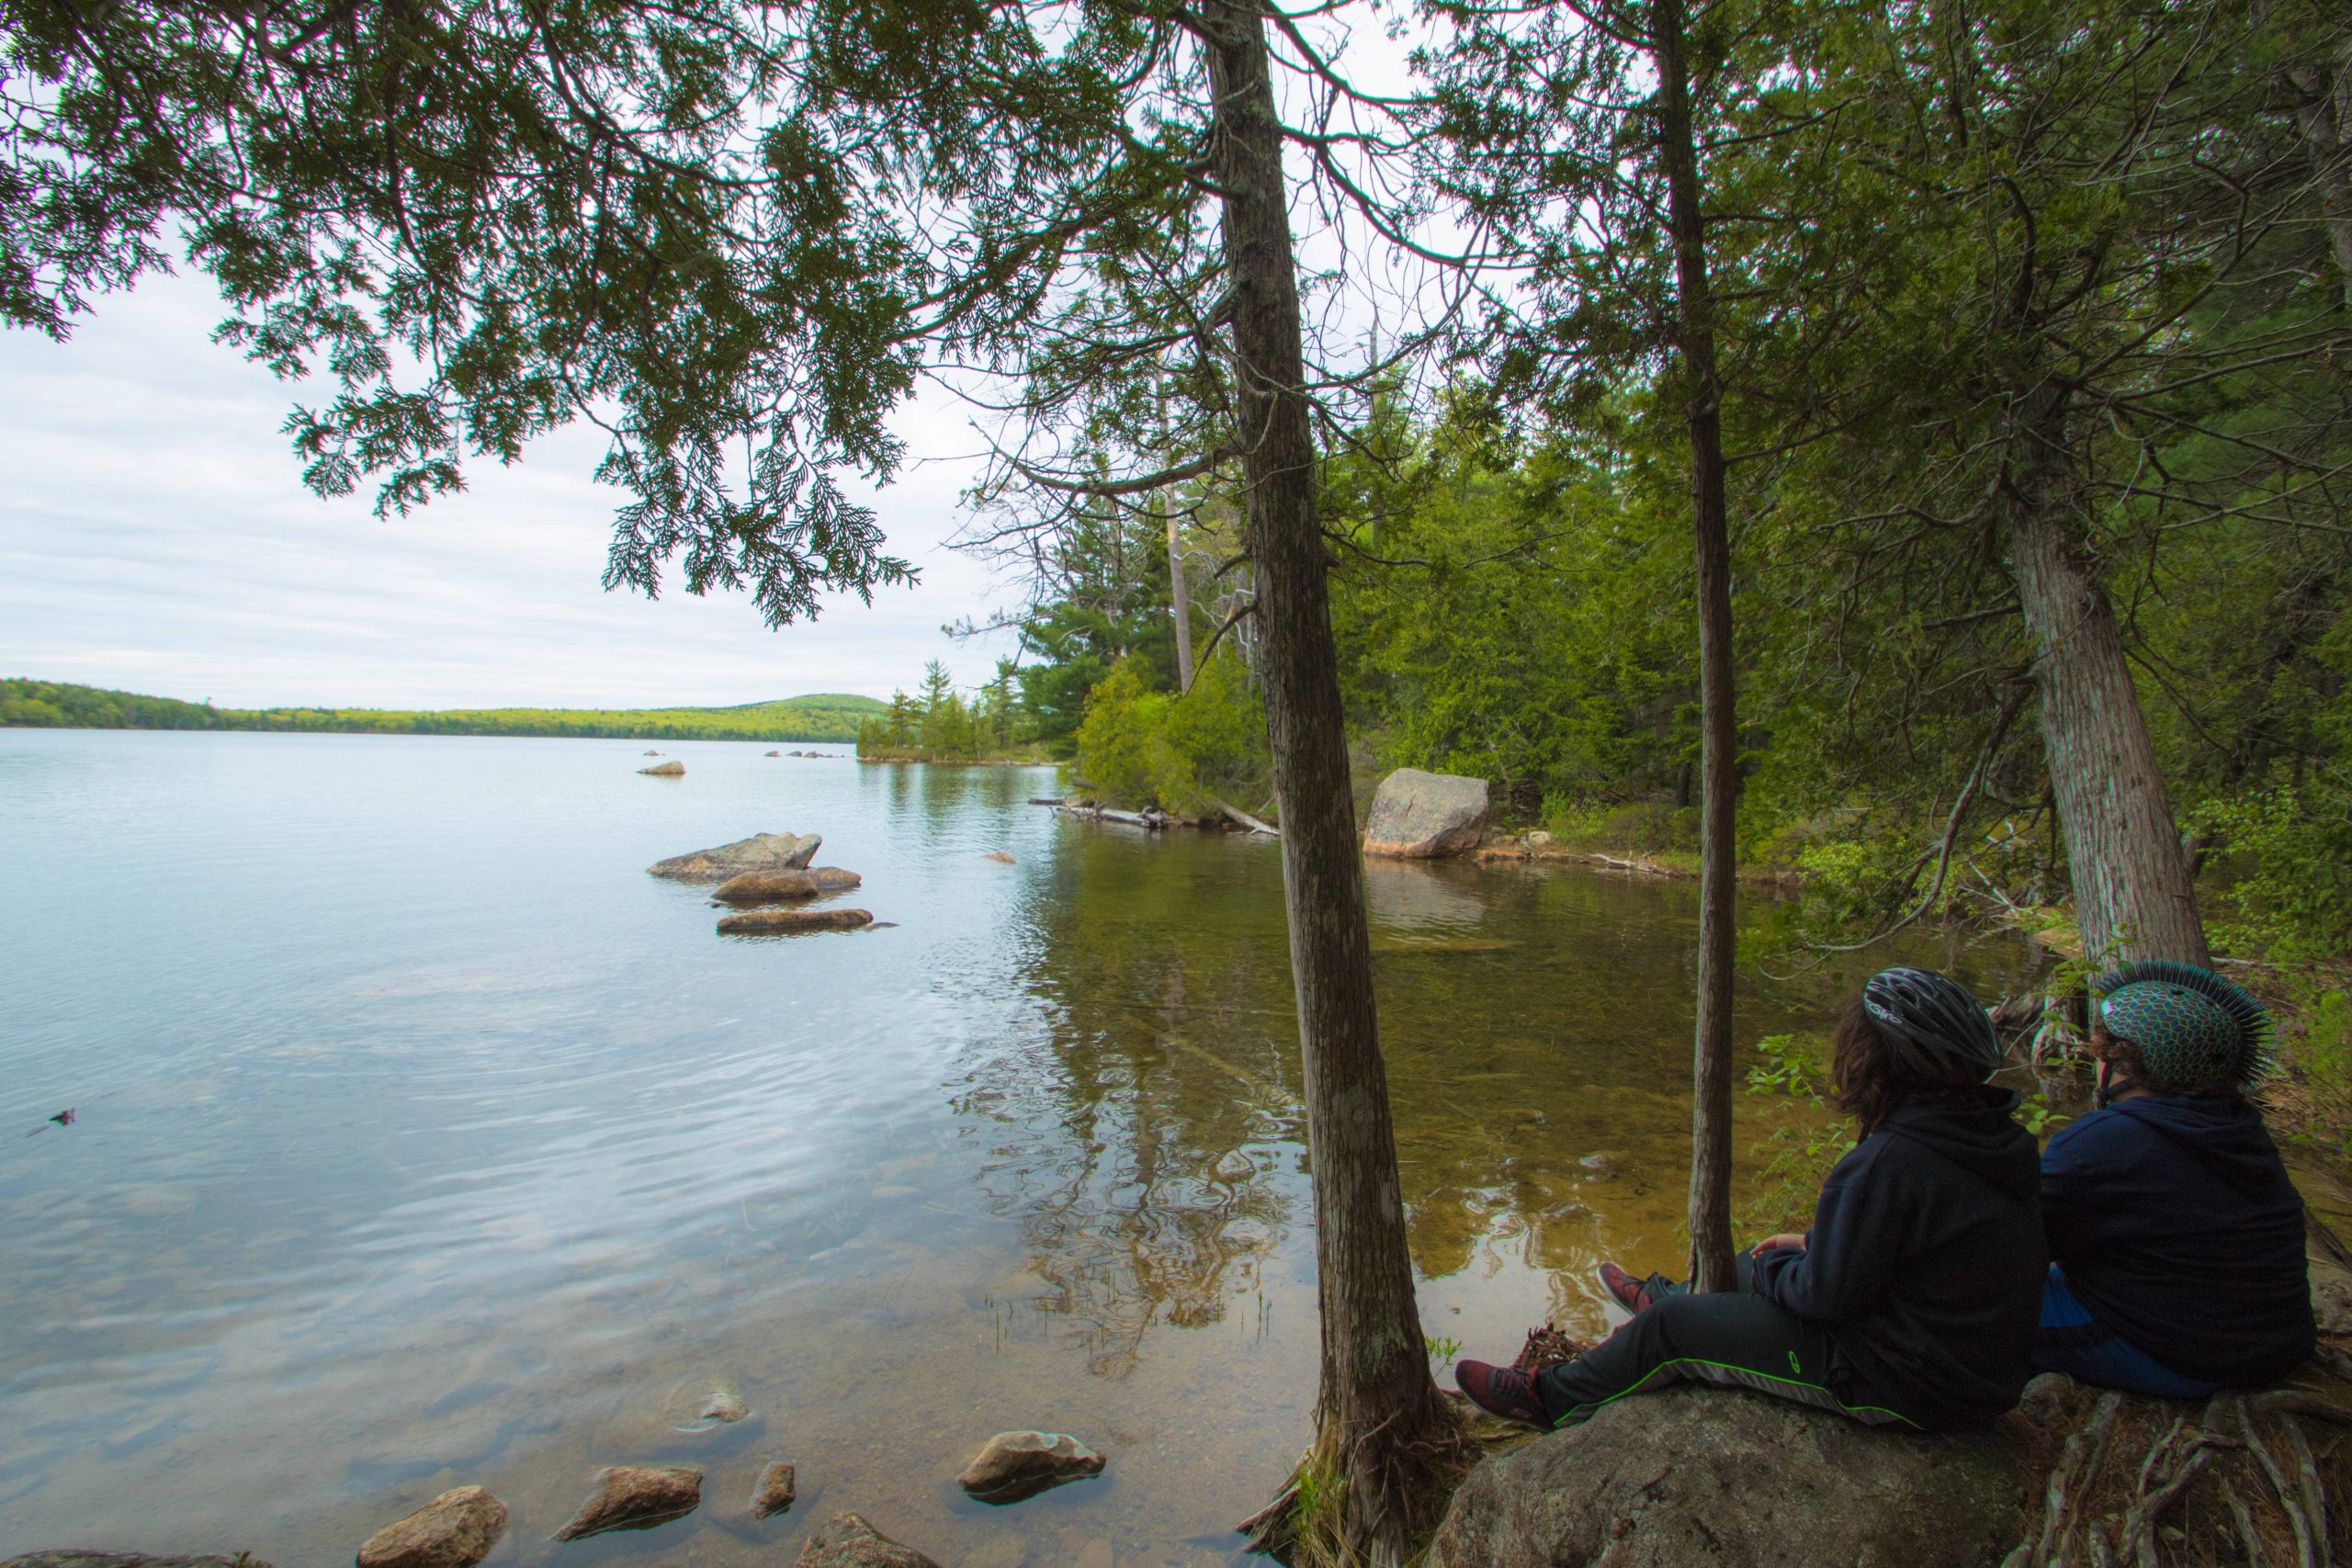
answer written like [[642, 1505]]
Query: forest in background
[[831, 716]]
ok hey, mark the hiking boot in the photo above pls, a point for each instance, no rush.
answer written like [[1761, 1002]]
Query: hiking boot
[[1631, 1294], [1502, 1391]]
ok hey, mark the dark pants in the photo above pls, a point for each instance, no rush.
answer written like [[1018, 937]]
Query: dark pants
[[1736, 1339]]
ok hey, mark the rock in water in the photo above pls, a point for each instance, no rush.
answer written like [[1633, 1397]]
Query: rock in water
[[723, 1405], [76, 1557], [766, 887], [673, 769], [773, 1492], [456, 1530], [1000, 856], [1021, 1464], [761, 851], [1709, 1475], [792, 922], [848, 1541], [833, 879], [635, 1497], [773, 753], [1419, 816]]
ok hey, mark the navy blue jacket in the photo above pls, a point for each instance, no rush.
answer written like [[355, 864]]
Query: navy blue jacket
[[2177, 1228], [1926, 1262]]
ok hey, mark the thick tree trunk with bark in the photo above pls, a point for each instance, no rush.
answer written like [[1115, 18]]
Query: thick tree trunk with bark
[[1377, 1403], [1712, 1263], [2133, 897]]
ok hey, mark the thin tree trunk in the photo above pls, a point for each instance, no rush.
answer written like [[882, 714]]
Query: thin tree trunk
[[1180, 607], [1712, 1263], [1377, 1402], [2132, 894]]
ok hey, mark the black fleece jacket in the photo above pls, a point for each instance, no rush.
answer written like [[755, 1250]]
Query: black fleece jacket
[[1925, 1261], [2176, 1225]]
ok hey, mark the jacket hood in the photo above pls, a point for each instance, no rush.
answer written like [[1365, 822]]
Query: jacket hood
[[1980, 1137], [2225, 1135]]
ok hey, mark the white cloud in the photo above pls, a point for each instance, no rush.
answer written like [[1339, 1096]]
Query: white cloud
[[155, 535]]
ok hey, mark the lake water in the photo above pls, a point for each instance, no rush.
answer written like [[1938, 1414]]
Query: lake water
[[423, 1139]]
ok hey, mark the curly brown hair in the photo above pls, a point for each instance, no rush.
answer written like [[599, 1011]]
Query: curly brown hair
[[1870, 1082], [2132, 1068]]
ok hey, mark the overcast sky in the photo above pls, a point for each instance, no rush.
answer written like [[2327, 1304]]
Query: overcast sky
[[155, 536]]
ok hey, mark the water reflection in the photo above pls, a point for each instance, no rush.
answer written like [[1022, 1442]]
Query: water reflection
[[426, 1141]]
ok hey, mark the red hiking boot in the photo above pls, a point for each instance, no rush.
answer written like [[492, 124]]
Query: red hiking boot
[[1502, 1391], [1631, 1294]]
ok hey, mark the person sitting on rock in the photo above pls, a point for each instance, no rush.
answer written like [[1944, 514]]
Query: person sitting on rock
[[2175, 1238], [1912, 1300]]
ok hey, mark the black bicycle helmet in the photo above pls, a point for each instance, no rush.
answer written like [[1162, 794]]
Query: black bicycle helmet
[[1933, 1024]]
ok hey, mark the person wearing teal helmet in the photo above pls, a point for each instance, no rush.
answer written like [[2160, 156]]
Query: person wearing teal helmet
[[2176, 1238]]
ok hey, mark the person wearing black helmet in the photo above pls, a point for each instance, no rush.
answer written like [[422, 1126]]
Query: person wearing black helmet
[[2175, 1238], [1911, 1301]]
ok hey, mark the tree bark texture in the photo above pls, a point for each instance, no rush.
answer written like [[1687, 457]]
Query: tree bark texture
[[2133, 897], [2323, 115], [1712, 1263], [1377, 1401]]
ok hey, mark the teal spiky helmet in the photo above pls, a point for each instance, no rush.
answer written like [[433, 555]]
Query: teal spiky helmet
[[2190, 1026]]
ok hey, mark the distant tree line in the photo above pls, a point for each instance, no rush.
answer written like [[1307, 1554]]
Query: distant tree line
[[61, 704], [941, 725]]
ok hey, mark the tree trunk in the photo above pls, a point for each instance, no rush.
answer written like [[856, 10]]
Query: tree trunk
[[1711, 1264], [1180, 607], [1377, 1404], [2323, 115], [2132, 894]]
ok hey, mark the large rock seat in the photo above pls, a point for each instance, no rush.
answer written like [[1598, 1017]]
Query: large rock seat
[[1711, 1475]]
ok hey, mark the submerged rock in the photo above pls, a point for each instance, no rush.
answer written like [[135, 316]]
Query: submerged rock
[[772, 1491], [723, 1405], [635, 1497], [456, 1530], [1000, 856], [848, 1541], [1021, 1464], [761, 851], [792, 922], [77, 1557], [673, 769], [1711, 1475], [774, 753], [1419, 815]]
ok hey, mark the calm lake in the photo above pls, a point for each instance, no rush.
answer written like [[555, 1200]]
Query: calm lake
[[422, 1139]]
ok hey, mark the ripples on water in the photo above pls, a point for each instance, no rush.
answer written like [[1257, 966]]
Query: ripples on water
[[423, 1139]]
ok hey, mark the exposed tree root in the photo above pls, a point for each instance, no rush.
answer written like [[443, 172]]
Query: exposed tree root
[[1310, 1525], [2143, 1484]]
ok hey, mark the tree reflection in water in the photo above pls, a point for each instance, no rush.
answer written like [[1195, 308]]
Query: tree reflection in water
[[1145, 1130]]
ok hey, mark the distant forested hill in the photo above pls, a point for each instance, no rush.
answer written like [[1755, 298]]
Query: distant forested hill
[[822, 716]]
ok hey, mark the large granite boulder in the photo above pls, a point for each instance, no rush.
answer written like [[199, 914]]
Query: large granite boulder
[[456, 1530], [848, 1541], [1419, 816], [1708, 1475], [761, 851]]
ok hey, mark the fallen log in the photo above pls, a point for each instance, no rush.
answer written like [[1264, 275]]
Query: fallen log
[[1246, 820]]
